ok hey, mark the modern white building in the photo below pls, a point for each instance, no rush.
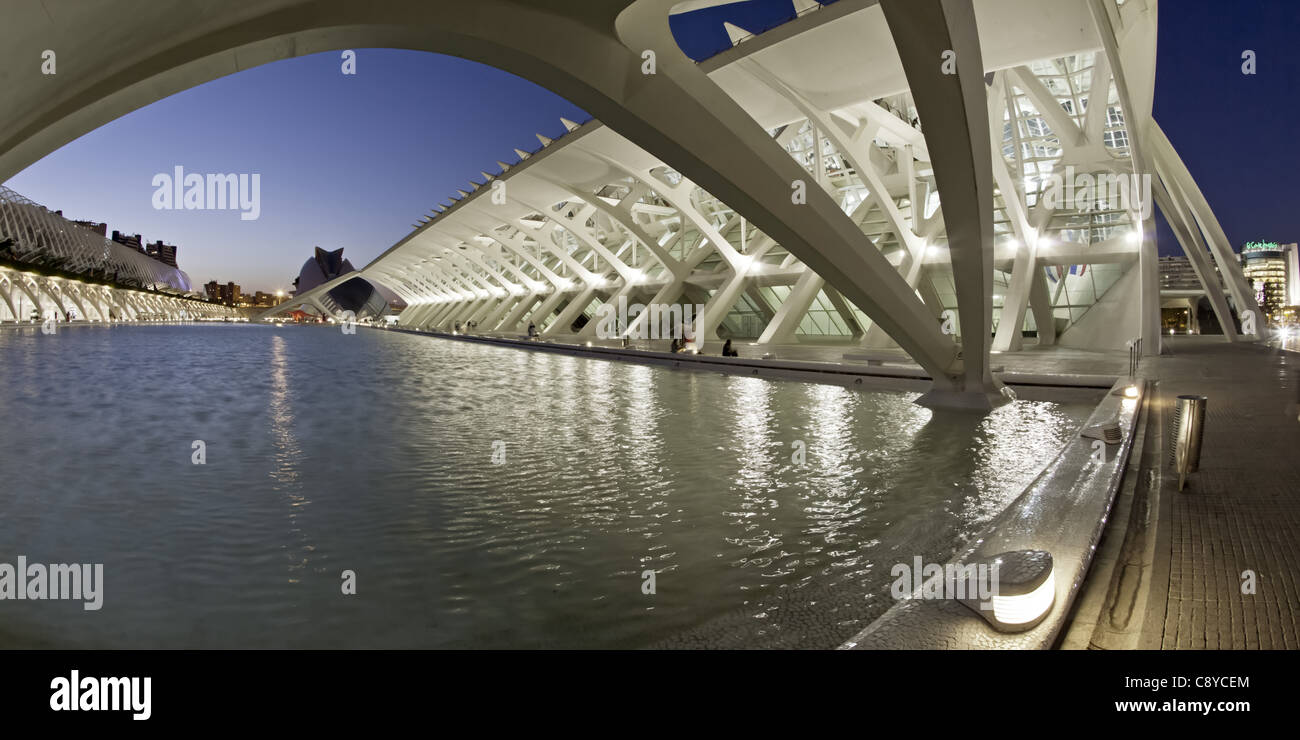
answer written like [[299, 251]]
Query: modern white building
[[52, 267], [940, 176]]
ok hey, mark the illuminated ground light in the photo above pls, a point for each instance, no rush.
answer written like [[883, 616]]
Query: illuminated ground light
[[1022, 592]]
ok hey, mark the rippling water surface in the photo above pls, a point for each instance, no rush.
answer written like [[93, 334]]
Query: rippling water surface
[[373, 453]]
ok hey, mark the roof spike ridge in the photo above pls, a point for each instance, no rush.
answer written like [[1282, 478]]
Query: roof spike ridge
[[735, 33]]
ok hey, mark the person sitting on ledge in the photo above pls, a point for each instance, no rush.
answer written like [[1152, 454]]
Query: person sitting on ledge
[[677, 345], [727, 351], [532, 330]]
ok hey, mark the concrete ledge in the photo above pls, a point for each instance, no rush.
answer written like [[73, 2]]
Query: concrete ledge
[[1063, 511], [1108, 608], [897, 377]]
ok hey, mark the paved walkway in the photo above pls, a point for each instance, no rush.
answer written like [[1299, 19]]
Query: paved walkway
[[1241, 512], [1187, 555]]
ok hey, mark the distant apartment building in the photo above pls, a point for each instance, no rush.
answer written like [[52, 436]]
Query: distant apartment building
[[164, 253], [227, 294], [1177, 273], [95, 226], [1184, 307], [230, 294], [135, 242]]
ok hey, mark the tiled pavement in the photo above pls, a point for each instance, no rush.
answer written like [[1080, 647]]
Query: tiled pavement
[[1240, 513]]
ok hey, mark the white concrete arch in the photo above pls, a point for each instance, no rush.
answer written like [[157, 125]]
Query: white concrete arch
[[862, 73], [676, 114]]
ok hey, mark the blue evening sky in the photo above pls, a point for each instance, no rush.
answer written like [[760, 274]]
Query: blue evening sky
[[353, 161]]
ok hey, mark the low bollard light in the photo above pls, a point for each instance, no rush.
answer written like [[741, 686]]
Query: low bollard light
[[1022, 590]]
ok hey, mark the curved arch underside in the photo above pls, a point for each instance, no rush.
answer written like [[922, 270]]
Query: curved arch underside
[[683, 188]]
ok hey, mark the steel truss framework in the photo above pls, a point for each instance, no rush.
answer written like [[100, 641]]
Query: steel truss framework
[[682, 192]]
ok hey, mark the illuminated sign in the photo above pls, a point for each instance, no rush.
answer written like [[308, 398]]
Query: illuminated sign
[[1261, 247]]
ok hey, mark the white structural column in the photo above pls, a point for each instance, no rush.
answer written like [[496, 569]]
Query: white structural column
[[75, 297], [1135, 85], [1183, 189], [543, 312], [670, 292], [433, 317], [781, 328], [1040, 302], [441, 316], [8, 301], [625, 292], [1189, 237], [953, 109], [567, 316], [717, 144], [413, 315], [512, 320], [724, 300], [53, 294], [493, 317], [1025, 269], [717, 307], [463, 312]]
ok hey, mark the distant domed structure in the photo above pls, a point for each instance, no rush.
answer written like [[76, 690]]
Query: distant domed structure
[[356, 295]]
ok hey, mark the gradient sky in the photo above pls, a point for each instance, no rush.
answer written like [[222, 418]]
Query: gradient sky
[[353, 161]]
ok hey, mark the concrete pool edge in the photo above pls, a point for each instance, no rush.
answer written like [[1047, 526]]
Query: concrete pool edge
[[889, 377], [1064, 511]]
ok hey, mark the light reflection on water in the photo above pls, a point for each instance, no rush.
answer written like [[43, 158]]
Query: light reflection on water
[[285, 477], [373, 453]]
